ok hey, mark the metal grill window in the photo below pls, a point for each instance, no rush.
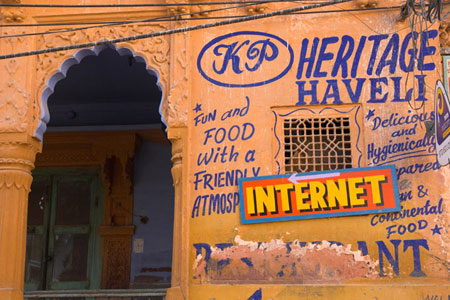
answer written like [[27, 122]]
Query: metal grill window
[[317, 144]]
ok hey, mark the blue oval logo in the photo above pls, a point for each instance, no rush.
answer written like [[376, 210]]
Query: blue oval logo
[[245, 59]]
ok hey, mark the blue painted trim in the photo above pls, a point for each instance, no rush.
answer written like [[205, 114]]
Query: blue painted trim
[[395, 186], [298, 109], [317, 173], [359, 134], [275, 132], [339, 111], [319, 216], [278, 167], [445, 59], [257, 33], [324, 215]]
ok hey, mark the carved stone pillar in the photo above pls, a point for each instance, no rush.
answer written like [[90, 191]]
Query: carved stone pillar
[[180, 252], [17, 155], [118, 229], [116, 256]]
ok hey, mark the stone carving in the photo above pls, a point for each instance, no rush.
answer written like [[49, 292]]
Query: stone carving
[[176, 10], [14, 95], [116, 262], [179, 92], [13, 107], [444, 33], [175, 109], [365, 3], [200, 11], [13, 15], [256, 9], [177, 137]]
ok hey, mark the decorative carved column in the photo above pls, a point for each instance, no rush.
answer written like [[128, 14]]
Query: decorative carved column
[[17, 155], [175, 113], [179, 283], [118, 229], [17, 152]]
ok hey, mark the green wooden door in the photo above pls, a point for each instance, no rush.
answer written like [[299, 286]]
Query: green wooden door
[[63, 243]]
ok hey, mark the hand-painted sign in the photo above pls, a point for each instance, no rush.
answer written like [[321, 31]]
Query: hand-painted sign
[[442, 126], [319, 194], [261, 56], [250, 58]]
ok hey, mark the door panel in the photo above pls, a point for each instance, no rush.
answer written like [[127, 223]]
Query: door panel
[[73, 201], [37, 227], [62, 240]]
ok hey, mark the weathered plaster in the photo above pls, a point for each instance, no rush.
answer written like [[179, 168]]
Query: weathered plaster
[[279, 262]]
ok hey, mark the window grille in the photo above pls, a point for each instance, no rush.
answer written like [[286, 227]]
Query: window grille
[[315, 138], [317, 144]]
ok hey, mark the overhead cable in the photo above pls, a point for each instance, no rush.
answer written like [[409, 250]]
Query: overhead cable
[[111, 23], [173, 31], [175, 18], [136, 5]]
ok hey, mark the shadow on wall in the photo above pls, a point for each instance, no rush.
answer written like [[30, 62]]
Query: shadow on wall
[[151, 258]]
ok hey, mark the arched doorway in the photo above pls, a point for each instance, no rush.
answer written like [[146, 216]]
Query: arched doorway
[[101, 207]]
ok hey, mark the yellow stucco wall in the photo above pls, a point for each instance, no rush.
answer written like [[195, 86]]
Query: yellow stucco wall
[[278, 257], [215, 256]]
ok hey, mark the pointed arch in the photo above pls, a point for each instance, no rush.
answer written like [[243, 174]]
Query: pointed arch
[[75, 59]]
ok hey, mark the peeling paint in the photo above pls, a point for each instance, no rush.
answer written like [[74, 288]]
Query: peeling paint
[[278, 261]]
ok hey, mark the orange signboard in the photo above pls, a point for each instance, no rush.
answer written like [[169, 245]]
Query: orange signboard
[[319, 194]]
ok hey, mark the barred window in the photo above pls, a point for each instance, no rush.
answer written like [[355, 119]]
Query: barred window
[[317, 144], [318, 139]]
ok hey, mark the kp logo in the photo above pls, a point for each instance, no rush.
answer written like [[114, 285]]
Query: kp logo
[[245, 59]]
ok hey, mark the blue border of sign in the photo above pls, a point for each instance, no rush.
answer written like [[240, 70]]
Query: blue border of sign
[[233, 85], [326, 215], [445, 58]]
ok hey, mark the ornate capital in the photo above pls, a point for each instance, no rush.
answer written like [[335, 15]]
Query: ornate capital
[[176, 135], [17, 156]]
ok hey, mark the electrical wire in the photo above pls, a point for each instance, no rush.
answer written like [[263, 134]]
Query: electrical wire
[[171, 18], [173, 31], [249, 3], [134, 5], [419, 16], [176, 18], [349, 11]]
